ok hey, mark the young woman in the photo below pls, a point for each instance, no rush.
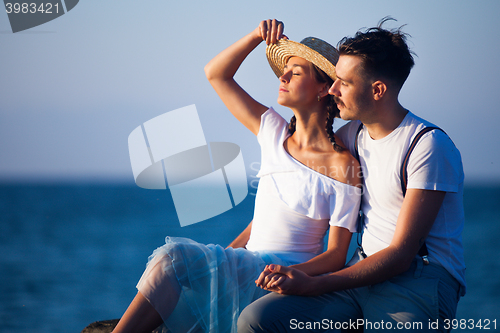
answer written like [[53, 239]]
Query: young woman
[[308, 183]]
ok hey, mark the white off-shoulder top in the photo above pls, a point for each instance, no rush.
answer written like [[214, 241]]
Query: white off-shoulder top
[[295, 205]]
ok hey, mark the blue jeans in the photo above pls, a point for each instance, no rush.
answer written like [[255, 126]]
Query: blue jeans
[[422, 299]]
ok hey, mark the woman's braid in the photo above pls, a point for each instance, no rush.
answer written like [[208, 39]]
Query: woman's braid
[[333, 112], [291, 126]]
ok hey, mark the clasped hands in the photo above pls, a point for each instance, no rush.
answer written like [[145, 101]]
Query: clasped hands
[[284, 280]]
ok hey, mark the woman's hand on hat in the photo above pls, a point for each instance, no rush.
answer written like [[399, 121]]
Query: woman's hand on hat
[[271, 31]]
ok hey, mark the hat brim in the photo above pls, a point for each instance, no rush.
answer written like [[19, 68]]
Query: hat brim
[[278, 55]]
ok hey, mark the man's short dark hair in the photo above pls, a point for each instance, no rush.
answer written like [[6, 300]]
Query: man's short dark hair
[[384, 52]]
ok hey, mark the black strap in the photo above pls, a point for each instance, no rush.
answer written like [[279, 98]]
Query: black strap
[[423, 252], [361, 216], [356, 151], [404, 166]]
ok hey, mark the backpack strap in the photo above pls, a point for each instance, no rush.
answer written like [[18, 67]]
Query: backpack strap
[[423, 252]]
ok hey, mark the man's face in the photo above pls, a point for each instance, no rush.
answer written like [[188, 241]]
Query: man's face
[[353, 93]]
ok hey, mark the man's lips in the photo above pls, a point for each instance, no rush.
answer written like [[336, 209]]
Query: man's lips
[[338, 101]]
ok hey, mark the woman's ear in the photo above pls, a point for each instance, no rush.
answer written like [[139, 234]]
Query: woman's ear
[[324, 91], [379, 90]]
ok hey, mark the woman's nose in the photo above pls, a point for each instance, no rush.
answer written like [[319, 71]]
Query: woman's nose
[[285, 77]]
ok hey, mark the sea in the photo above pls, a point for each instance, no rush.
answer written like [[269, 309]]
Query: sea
[[72, 253]]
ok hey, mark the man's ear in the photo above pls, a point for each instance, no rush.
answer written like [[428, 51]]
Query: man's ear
[[379, 90]]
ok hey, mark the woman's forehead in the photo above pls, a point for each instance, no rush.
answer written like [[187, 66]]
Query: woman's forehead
[[297, 61]]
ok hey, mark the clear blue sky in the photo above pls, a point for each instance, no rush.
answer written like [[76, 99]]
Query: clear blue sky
[[73, 89]]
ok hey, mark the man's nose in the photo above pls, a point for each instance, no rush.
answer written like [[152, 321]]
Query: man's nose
[[334, 88]]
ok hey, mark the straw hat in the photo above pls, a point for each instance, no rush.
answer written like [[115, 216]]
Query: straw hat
[[312, 49]]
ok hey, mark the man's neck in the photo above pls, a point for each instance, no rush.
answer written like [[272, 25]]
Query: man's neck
[[385, 121]]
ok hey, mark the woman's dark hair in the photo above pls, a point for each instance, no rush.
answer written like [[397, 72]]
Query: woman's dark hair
[[331, 107], [384, 52]]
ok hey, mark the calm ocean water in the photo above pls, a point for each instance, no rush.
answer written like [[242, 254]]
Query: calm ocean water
[[72, 254]]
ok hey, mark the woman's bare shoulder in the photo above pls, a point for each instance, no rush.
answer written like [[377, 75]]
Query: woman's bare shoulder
[[346, 168]]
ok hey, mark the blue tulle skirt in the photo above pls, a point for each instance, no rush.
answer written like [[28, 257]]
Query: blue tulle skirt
[[213, 284]]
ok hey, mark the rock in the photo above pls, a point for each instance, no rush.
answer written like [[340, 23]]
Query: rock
[[107, 326]]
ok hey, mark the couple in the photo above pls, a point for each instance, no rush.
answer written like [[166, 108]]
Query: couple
[[194, 287]]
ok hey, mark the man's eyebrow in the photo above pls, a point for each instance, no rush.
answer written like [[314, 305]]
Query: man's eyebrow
[[344, 80]]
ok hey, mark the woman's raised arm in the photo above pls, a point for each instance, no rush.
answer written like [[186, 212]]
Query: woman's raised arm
[[221, 70]]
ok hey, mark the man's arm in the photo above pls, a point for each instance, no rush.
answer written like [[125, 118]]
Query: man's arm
[[415, 220]]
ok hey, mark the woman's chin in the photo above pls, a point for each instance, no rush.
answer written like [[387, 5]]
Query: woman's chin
[[283, 102]]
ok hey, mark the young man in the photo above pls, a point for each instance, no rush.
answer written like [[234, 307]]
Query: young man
[[394, 287]]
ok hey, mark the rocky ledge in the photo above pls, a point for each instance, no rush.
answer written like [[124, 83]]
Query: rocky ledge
[[107, 326]]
